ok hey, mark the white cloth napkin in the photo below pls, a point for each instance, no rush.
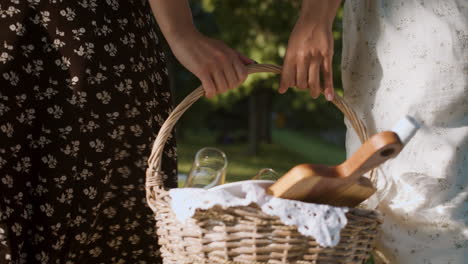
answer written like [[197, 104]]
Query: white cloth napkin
[[322, 222]]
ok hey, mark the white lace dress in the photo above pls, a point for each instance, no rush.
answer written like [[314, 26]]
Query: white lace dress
[[411, 57]]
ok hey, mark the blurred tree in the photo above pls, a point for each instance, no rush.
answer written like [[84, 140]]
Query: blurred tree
[[259, 29]]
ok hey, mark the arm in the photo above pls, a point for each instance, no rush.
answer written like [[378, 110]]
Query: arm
[[218, 67], [310, 49], [174, 17]]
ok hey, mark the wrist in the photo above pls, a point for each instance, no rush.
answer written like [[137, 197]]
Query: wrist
[[181, 33], [319, 11]]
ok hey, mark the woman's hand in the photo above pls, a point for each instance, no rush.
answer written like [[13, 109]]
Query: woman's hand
[[218, 67], [310, 50]]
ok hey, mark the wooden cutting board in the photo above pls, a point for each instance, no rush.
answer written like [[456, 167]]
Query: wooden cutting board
[[340, 185]]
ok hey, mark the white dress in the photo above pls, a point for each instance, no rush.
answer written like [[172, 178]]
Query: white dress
[[411, 57]]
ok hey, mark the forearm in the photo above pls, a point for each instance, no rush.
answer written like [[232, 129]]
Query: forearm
[[174, 18], [319, 10]]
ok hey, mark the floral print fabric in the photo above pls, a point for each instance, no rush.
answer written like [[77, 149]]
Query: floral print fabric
[[83, 92], [411, 57]]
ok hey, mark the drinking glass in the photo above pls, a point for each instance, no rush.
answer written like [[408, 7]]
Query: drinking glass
[[266, 174], [208, 169]]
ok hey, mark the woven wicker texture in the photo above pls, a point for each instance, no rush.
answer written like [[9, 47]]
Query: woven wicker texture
[[245, 234]]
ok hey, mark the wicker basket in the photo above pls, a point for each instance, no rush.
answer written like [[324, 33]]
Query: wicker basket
[[245, 234]]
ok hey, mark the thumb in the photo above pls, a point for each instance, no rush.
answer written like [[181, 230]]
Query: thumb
[[288, 76], [246, 60], [327, 72], [283, 86]]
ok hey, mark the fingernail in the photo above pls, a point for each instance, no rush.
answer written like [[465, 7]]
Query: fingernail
[[329, 96]]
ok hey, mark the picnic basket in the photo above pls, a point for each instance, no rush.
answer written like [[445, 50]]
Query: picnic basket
[[245, 234]]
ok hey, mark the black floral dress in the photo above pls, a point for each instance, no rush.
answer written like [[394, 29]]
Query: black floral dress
[[83, 92]]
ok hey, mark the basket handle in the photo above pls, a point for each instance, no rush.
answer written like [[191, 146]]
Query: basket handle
[[153, 173]]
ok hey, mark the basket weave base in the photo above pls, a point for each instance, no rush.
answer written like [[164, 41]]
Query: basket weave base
[[245, 234]]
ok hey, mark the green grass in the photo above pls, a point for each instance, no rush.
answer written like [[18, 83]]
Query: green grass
[[241, 166], [288, 149], [314, 149]]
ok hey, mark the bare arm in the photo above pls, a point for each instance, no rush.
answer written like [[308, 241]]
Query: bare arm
[[218, 67], [174, 17], [310, 49]]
